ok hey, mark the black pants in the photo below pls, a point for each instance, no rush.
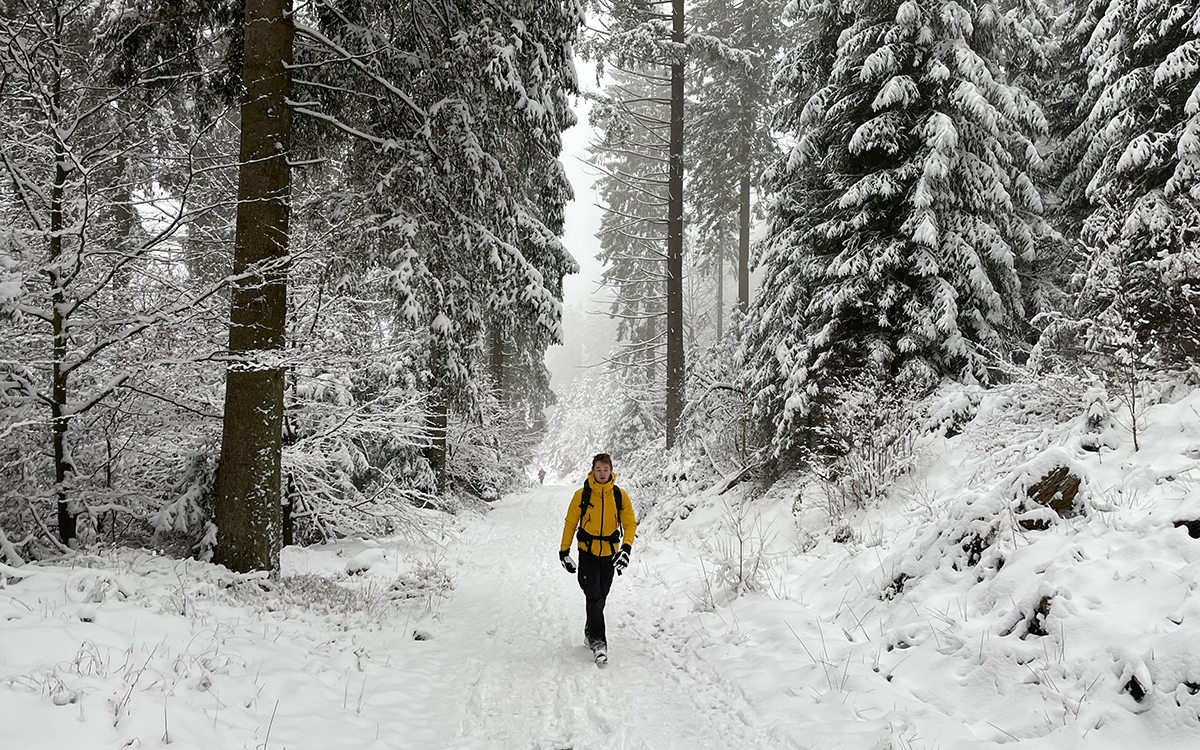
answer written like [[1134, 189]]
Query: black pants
[[595, 578]]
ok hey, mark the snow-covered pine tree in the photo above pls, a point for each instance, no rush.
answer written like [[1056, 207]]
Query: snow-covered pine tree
[[649, 38], [631, 157], [451, 182], [904, 212], [1134, 167], [729, 139]]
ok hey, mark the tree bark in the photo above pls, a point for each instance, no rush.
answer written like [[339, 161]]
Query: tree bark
[[749, 96], [744, 238], [248, 491], [497, 364], [437, 453], [721, 285], [60, 420], [675, 351]]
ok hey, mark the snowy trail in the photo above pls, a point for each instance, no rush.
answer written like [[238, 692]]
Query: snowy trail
[[134, 649], [516, 668]]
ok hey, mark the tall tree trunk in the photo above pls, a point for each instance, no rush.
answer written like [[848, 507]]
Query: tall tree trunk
[[437, 453], [675, 351], [749, 96], [721, 285], [248, 504], [124, 218], [496, 364], [58, 322], [744, 236]]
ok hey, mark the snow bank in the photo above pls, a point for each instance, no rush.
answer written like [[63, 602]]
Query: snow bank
[[961, 611], [131, 649]]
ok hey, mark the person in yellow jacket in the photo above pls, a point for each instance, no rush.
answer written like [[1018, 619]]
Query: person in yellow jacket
[[600, 517]]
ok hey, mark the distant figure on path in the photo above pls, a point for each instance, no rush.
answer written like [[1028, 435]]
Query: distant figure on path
[[600, 516], [541, 476]]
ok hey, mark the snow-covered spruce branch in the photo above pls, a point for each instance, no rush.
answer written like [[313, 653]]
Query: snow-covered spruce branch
[[652, 127], [633, 220], [535, 292], [636, 349], [621, 283], [644, 275], [631, 181], [354, 60], [327, 87], [650, 154], [639, 239], [348, 57], [300, 108]]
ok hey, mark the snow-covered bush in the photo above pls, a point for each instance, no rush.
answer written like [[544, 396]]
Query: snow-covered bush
[[185, 521], [352, 459], [869, 439], [487, 455], [717, 416]]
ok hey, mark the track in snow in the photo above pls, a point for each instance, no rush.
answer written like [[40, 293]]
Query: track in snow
[[517, 670]]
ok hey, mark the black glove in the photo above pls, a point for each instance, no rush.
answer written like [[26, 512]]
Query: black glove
[[621, 559], [564, 557]]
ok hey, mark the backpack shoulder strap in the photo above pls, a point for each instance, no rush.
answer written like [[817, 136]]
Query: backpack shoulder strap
[[619, 496], [585, 499]]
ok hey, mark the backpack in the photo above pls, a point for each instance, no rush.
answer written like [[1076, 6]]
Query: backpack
[[585, 501]]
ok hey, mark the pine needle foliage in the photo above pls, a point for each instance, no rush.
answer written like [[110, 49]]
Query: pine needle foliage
[[905, 210]]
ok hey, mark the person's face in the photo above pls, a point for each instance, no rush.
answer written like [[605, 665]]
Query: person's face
[[601, 471]]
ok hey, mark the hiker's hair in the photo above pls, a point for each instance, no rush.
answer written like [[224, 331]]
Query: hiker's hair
[[603, 458]]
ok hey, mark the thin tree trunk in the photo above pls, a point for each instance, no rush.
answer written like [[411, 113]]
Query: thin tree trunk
[[437, 452], [496, 364], [124, 219], [58, 322], [744, 239], [248, 491], [720, 287], [675, 351], [748, 128]]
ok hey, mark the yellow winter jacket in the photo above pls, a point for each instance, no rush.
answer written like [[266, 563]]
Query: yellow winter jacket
[[600, 519]]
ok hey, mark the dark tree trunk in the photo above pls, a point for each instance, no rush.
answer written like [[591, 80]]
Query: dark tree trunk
[[58, 322], [437, 452], [749, 96], [496, 364], [248, 503], [720, 288], [744, 241], [675, 351], [124, 218], [289, 512]]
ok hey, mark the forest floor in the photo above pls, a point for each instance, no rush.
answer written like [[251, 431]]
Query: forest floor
[[948, 614]]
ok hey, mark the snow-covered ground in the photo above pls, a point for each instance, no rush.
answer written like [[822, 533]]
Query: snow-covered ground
[[134, 650], [933, 618]]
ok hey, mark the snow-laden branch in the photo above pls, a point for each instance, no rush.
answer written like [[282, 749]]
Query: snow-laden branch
[[317, 36]]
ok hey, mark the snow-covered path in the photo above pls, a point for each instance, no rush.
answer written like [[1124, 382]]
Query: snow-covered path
[[125, 648], [513, 665]]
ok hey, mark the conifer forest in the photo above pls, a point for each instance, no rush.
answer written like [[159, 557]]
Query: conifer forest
[[278, 272], [891, 328]]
